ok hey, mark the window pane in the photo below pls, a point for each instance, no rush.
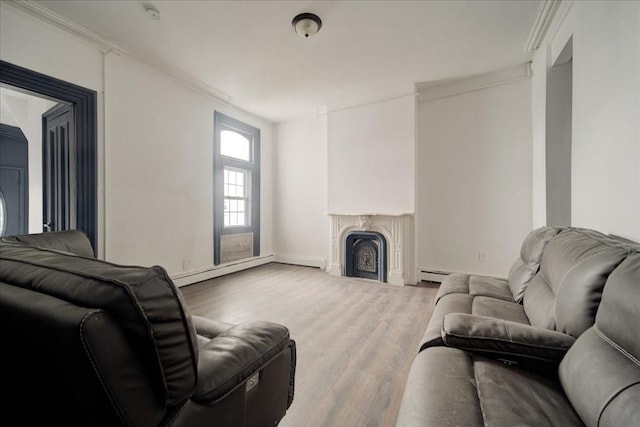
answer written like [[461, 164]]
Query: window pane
[[233, 144], [241, 219], [240, 205], [226, 219]]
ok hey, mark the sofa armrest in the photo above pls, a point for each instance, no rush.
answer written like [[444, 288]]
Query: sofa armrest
[[510, 340], [235, 355]]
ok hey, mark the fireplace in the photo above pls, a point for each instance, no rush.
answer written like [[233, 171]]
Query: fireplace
[[366, 255], [391, 235]]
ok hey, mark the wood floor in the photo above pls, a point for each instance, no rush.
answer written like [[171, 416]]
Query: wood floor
[[356, 338]]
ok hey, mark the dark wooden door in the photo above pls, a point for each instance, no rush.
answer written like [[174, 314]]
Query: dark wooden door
[[58, 169], [14, 167]]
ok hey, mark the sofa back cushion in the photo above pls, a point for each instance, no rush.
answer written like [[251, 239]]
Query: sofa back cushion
[[565, 294], [72, 241], [601, 372], [528, 264], [144, 302], [66, 362]]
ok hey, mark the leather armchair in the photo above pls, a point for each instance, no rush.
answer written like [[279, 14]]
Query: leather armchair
[[87, 342]]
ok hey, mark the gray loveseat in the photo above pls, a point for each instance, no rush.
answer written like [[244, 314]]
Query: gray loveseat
[[557, 343]]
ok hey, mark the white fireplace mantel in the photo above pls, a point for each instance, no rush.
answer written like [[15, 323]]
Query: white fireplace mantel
[[397, 228]]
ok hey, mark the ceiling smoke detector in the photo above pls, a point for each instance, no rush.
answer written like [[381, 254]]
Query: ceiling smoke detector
[[306, 24], [152, 12]]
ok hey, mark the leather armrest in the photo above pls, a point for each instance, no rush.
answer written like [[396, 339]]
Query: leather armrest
[[511, 340], [209, 328], [233, 356]]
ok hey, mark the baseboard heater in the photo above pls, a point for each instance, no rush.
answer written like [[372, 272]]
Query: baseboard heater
[[433, 275]]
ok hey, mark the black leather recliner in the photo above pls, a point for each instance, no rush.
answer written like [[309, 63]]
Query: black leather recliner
[[86, 342]]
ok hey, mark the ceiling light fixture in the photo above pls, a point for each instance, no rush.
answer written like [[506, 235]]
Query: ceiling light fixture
[[152, 12], [306, 24]]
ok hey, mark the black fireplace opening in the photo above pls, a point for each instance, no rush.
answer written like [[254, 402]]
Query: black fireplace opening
[[366, 255]]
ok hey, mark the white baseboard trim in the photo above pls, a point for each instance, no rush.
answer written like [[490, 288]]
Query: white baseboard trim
[[306, 261], [190, 277], [432, 276]]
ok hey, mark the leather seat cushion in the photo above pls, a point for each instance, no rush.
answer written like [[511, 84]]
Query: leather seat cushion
[[458, 283], [505, 310], [447, 386]]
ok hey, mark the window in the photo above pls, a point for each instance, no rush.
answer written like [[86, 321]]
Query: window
[[236, 200], [236, 189]]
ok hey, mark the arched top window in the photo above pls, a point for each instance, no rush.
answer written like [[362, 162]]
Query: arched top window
[[236, 205], [236, 145]]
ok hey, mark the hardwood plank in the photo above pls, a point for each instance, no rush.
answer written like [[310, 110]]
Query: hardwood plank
[[356, 338]]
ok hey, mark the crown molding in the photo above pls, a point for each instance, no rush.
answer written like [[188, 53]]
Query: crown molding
[[439, 89], [105, 46], [546, 13], [44, 14]]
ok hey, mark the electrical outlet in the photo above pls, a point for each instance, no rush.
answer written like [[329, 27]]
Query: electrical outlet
[[186, 265], [482, 257]]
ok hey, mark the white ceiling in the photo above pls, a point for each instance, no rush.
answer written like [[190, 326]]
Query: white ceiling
[[366, 50]]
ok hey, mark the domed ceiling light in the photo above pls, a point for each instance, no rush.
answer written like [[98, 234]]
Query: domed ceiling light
[[306, 24]]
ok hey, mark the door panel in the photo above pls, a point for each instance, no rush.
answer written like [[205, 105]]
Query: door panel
[[14, 185], [58, 162], [12, 188]]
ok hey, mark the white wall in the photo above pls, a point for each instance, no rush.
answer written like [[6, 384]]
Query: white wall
[[301, 226], [474, 166], [156, 205], [159, 169], [606, 111], [371, 158]]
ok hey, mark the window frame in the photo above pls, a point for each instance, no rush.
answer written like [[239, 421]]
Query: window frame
[[222, 122]]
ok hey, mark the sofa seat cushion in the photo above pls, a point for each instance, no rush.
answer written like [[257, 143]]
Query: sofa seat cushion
[[447, 386], [458, 283], [505, 310], [468, 304], [144, 302]]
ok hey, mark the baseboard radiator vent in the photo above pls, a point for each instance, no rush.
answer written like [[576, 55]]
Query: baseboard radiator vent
[[432, 275]]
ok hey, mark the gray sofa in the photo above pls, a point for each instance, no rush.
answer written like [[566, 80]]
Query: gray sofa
[[557, 343], [91, 343]]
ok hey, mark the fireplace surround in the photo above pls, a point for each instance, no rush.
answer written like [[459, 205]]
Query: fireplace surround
[[395, 230]]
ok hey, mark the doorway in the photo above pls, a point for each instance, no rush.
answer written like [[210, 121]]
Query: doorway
[[72, 158], [14, 184], [558, 138]]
